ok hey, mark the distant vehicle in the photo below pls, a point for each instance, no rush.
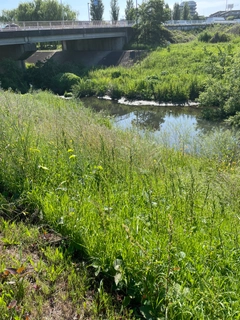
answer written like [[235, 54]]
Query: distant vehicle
[[11, 26]]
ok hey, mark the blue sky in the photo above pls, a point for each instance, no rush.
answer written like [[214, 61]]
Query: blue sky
[[81, 6]]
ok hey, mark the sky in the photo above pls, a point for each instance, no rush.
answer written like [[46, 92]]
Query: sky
[[81, 6]]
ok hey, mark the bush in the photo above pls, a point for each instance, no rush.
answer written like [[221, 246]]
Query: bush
[[234, 120], [204, 36], [220, 37], [83, 88], [64, 82], [40, 75], [12, 76]]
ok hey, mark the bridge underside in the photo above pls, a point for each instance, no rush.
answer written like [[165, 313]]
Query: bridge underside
[[18, 52], [20, 44], [104, 44], [21, 52]]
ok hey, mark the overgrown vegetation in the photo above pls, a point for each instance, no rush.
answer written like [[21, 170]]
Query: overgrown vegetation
[[202, 71], [40, 279], [158, 226]]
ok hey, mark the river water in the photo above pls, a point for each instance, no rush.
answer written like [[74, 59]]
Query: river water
[[152, 117], [180, 127]]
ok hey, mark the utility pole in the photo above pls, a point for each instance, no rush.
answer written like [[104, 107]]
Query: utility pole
[[62, 13], [88, 12]]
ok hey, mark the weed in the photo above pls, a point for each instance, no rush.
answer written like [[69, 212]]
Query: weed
[[155, 223]]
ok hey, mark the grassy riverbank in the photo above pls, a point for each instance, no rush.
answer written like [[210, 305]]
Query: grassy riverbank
[[159, 227], [174, 73]]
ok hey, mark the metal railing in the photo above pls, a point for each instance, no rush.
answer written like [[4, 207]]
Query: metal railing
[[41, 25], [199, 22]]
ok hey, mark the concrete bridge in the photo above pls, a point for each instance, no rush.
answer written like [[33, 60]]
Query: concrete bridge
[[18, 41]]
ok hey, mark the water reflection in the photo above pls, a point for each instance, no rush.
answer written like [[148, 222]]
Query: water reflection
[[170, 118]]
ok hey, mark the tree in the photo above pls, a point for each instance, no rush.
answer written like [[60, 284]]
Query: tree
[[186, 12], [151, 16], [197, 17], [39, 10], [167, 12], [8, 15], [96, 10], [130, 13], [114, 10], [176, 12]]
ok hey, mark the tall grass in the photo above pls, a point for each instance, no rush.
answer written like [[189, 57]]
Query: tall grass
[[160, 225], [176, 73]]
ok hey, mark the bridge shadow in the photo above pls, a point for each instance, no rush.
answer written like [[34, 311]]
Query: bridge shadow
[[89, 58]]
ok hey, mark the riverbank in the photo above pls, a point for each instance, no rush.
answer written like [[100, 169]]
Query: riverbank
[[152, 223], [127, 102]]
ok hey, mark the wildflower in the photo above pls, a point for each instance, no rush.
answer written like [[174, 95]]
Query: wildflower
[[42, 167], [100, 168]]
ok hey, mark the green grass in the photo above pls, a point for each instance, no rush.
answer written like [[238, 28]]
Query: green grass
[[176, 73], [159, 227], [39, 278]]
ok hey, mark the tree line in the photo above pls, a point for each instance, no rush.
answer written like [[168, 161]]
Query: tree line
[[50, 10]]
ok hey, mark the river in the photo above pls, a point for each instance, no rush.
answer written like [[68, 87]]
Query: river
[[180, 127], [151, 117]]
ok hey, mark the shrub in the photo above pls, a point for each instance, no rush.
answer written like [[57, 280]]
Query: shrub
[[204, 36], [234, 120], [220, 37], [64, 82], [114, 91], [83, 88], [12, 76]]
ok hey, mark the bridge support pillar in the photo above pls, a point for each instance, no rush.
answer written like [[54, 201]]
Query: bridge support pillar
[[18, 52]]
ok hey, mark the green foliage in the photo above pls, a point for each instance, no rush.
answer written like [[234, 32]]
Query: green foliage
[[114, 10], [36, 267], [64, 82], [130, 12], [185, 14], [174, 73], [96, 10], [151, 15], [39, 10], [176, 11], [222, 90], [234, 120], [157, 225], [12, 76], [83, 88], [220, 37], [205, 36], [41, 75]]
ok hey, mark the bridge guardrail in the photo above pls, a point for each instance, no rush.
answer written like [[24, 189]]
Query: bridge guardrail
[[40, 25], [197, 22]]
